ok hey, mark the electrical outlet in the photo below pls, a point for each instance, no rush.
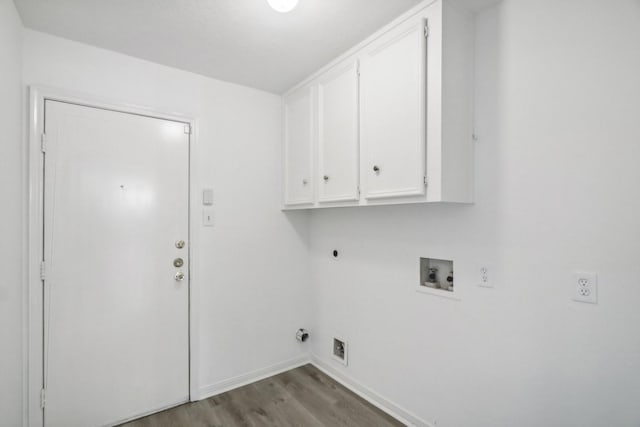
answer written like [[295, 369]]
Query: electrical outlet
[[585, 287], [484, 278]]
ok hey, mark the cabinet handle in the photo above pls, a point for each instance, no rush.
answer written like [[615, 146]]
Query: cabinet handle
[[305, 181], [326, 178], [376, 169]]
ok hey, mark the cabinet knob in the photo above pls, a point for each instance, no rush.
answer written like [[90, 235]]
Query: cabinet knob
[[376, 169], [326, 178], [305, 181]]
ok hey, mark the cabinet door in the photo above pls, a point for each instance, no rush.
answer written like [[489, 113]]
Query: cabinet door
[[338, 134], [298, 116], [392, 96]]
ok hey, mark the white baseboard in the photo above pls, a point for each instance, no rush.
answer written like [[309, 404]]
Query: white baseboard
[[366, 393], [369, 395], [251, 377]]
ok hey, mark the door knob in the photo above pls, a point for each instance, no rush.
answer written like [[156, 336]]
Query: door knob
[[376, 169], [180, 244], [305, 181], [179, 276], [326, 178], [178, 262]]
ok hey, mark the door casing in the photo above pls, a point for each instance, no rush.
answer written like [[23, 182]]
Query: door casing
[[33, 357]]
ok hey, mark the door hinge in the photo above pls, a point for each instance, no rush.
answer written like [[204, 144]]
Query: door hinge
[[358, 189], [187, 129], [426, 30], [42, 270], [424, 180], [43, 398], [43, 143]]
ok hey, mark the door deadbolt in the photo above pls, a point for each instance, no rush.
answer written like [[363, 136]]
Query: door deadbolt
[[179, 276], [178, 262], [180, 244]]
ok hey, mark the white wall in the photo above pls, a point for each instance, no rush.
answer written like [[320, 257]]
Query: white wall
[[11, 202], [253, 266], [558, 117], [557, 173]]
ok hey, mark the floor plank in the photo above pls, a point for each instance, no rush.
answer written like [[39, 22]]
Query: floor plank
[[303, 396]]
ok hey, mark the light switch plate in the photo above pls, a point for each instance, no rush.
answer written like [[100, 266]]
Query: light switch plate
[[207, 217]]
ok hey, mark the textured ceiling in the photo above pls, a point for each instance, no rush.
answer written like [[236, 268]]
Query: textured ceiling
[[240, 41]]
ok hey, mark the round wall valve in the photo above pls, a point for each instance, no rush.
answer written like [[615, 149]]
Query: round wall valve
[[178, 262]]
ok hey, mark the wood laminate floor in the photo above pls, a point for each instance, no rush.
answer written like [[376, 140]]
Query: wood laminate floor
[[301, 397]]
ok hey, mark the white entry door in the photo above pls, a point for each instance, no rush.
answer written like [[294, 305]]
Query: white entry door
[[116, 322]]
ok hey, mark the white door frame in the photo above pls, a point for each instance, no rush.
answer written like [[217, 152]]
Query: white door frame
[[33, 357]]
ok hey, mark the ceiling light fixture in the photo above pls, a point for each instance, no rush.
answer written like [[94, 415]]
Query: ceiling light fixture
[[283, 6]]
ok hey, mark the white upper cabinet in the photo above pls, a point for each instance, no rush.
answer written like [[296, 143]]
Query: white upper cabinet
[[449, 118], [392, 103], [392, 120], [298, 147], [338, 148]]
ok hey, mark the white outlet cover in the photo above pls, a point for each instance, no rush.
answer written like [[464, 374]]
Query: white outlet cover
[[207, 217], [484, 277], [585, 287]]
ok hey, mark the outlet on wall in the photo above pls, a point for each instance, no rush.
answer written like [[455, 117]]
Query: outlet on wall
[[484, 277], [585, 287]]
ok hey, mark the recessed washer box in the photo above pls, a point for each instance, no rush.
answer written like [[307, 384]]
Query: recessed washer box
[[436, 277]]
